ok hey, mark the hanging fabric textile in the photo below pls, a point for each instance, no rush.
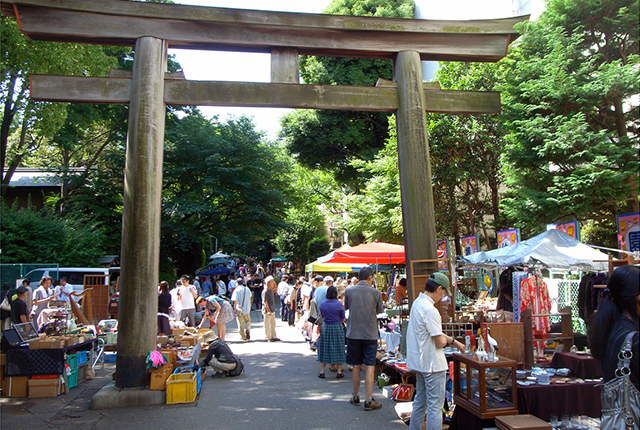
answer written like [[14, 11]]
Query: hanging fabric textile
[[516, 281], [535, 295]]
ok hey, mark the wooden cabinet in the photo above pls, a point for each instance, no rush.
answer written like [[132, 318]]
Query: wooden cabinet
[[420, 272], [485, 388]]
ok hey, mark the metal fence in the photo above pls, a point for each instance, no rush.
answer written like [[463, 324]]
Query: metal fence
[[10, 272], [567, 289]]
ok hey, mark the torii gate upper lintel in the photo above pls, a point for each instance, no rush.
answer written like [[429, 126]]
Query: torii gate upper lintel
[[153, 27]]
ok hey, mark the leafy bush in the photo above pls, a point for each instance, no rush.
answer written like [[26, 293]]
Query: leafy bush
[[42, 235]]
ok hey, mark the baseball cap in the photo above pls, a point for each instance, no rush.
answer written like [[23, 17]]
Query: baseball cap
[[318, 278], [442, 280], [327, 279], [21, 290]]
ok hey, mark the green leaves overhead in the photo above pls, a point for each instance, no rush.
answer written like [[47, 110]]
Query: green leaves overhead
[[573, 125], [332, 139]]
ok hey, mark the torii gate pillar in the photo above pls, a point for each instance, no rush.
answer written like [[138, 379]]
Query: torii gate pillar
[[418, 216], [140, 251]]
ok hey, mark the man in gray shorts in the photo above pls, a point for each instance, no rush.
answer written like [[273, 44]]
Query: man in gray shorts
[[364, 303]]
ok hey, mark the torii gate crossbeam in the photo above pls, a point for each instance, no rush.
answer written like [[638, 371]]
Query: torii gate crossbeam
[[153, 27]]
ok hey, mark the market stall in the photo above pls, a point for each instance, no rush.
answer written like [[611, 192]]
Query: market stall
[[38, 365], [528, 310]]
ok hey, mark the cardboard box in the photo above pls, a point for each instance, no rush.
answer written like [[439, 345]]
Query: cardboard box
[[39, 388], [189, 341], [159, 377], [17, 386], [52, 343], [176, 331], [162, 340], [35, 343]]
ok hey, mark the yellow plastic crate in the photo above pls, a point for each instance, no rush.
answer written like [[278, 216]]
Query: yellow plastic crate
[[182, 388]]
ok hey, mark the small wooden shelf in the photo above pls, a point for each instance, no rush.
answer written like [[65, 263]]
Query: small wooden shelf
[[566, 337]]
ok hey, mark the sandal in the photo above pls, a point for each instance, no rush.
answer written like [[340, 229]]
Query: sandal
[[321, 375], [340, 375]]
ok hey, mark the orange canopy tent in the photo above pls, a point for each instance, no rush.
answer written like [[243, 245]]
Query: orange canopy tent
[[371, 253]]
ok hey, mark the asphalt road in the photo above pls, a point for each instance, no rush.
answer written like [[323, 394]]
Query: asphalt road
[[278, 390]]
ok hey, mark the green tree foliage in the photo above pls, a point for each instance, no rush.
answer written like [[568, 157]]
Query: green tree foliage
[[465, 156], [220, 179], [303, 239], [317, 199], [29, 235], [573, 142], [465, 152], [331, 139], [26, 124], [376, 212]]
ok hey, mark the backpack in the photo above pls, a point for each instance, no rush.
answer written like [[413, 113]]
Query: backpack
[[238, 369]]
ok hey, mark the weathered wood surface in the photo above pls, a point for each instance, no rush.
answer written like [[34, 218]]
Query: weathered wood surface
[[121, 23], [414, 165], [209, 93], [285, 66], [140, 248]]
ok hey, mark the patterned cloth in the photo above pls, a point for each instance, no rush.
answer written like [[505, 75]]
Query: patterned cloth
[[226, 314], [535, 295], [331, 344], [516, 280]]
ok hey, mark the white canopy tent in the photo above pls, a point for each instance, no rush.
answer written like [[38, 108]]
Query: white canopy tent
[[552, 249]]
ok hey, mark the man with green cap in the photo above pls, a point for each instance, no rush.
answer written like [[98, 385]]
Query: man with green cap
[[425, 355]]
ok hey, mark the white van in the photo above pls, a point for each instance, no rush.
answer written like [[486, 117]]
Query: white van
[[74, 275]]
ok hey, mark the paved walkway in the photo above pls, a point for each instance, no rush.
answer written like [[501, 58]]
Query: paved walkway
[[278, 390]]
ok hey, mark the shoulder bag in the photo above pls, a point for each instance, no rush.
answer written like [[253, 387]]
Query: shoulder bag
[[620, 398]]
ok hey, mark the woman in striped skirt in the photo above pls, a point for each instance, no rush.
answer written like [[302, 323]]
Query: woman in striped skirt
[[331, 341]]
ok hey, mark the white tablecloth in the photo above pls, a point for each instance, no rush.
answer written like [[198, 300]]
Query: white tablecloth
[[391, 338]]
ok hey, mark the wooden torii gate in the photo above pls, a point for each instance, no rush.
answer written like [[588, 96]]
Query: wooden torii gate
[[153, 27]]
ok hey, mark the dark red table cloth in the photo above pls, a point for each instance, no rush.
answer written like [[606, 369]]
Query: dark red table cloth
[[542, 401], [582, 365]]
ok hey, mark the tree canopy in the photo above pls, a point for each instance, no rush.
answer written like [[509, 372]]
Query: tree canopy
[[573, 122], [332, 139]]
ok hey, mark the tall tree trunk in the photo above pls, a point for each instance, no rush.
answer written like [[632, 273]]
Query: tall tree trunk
[[7, 118]]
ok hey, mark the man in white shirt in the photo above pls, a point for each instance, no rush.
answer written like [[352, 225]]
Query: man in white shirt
[[241, 301], [231, 286], [425, 355], [64, 290], [41, 298], [187, 295], [222, 288], [283, 291]]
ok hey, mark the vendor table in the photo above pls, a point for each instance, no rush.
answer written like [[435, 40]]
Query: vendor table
[[542, 401], [29, 362], [392, 368], [553, 399], [583, 365]]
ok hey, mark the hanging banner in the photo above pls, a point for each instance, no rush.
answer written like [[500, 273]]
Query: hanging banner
[[443, 252], [571, 228], [508, 237], [470, 244], [629, 233]]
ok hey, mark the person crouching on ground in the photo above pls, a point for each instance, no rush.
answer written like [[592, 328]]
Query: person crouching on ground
[[425, 354], [219, 312], [220, 358]]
